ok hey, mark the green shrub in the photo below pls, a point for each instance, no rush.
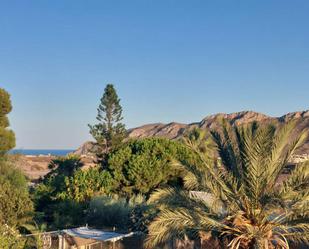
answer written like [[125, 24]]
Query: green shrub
[[64, 166], [63, 196], [16, 208], [112, 211], [141, 216], [67, 214], [140, 166], [15, 204], [85, 184], [10, 238]]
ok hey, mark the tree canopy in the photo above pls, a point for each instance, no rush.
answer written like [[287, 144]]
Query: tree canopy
[[7, 137], [140, 166]]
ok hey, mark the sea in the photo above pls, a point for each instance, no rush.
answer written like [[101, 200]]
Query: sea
[[41, 152]]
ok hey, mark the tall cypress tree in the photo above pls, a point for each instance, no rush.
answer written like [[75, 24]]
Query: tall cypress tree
[[109, 132], [7, 137]]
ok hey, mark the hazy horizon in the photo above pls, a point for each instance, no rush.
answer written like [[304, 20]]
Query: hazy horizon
[[169, 61]]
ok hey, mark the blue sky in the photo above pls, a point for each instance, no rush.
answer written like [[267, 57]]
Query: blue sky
[[169, 60]]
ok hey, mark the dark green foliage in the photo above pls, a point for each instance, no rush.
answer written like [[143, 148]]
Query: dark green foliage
[[47, 194], [140, 166], [109, 132], [53, 184], [63, 195], [7, 137], [141, 216], [5, 103], [112, 211], [67, 214], [69, 191], [65, 166]]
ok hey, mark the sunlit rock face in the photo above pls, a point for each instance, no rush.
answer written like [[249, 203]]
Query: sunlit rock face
[[176, 130]]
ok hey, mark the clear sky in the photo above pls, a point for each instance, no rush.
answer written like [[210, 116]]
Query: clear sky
[[169, 60]]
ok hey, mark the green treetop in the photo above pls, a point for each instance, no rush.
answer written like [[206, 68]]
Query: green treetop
[[7, 137], [109, 132]]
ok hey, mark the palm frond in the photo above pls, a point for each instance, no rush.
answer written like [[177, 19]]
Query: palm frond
[[256, 147], [237, 197], [282, 152], [168, 225]]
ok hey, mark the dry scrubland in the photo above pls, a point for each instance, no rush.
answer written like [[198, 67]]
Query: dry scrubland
[[36, 167]]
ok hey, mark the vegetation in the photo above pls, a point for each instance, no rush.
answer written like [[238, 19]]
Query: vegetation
[[16, 208], [241, 202], [137, 167], [109, 132], [140, 166], [86, 184], [50, 196], [63, 196], [9, 238], [15, 205], [64, 166], [7, 137], [226, 188], [112, 211]]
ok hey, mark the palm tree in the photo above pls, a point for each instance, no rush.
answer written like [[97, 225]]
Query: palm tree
[[239, 199]]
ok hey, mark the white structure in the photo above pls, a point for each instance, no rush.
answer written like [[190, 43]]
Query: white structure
[[79, 238], [86, 238]]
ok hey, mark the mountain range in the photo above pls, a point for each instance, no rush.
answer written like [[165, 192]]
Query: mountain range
[[175, 130]]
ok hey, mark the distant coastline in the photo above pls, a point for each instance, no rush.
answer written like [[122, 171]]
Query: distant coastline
[[32, 152]]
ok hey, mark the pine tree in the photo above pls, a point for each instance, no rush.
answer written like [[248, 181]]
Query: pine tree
[[7, 137], [109, 132]]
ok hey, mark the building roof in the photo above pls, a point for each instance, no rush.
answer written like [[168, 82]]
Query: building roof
[[88, 233]]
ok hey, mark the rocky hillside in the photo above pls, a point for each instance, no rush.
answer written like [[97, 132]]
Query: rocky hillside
[[176, 130]]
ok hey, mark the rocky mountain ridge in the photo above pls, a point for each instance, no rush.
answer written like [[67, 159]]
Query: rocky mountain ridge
[[175, 130]]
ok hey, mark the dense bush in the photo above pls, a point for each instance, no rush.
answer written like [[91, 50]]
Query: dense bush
[[9, 238], [85, 184], [16, 207], [62, 197], [137, 167], [15, 204], [112, 211], [47, 194], [141, 216], [140, 166], [67, 214], [53, 183], [64, 166]]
